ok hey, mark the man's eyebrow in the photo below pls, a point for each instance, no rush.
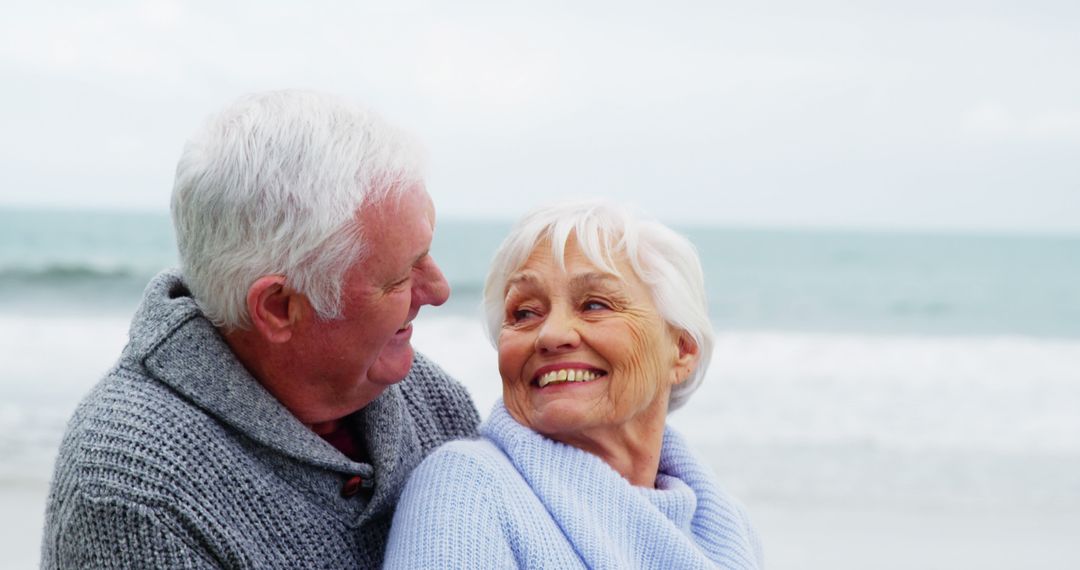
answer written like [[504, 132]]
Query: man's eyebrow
[[416, 261], [421, 257]]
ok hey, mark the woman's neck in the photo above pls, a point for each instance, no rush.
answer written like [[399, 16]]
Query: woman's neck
[[631, 449]]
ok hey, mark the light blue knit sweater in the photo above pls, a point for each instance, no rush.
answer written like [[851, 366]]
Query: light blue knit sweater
[[517, 499]]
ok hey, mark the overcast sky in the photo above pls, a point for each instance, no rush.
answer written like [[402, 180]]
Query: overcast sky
[[901, 115]]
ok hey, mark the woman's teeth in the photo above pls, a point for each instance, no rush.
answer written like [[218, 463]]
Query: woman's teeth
[[567, 375]]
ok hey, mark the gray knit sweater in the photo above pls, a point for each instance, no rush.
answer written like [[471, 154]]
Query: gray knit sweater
[[178, 458]]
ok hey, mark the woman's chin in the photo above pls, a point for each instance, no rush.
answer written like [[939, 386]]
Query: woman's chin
[[563, 416]]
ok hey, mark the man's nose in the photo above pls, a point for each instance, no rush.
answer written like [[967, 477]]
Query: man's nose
[[432, 287]]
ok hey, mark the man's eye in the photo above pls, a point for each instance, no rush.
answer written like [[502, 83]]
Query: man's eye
[[398, 284]]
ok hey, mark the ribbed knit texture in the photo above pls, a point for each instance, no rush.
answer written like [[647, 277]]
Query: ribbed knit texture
[[178, 458], [514, 498]]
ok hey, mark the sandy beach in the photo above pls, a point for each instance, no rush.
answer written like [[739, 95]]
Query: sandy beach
[[21, 521], [887, 539], [795, 537]]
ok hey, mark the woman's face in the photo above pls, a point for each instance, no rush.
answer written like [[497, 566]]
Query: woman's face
[[584, 354]]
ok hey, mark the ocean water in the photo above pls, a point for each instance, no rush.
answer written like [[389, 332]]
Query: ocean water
[[842, 282], [850, 369]]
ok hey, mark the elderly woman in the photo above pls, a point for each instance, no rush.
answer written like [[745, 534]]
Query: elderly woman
[[601, 326]]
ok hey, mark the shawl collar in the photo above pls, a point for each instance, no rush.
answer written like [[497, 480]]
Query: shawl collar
[[581, 492], [178, 346]]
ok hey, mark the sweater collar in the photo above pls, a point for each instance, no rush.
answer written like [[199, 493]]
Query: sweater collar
[[583, 494], [181, 348]]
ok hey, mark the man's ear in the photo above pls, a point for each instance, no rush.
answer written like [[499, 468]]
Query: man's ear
[[274, 308], [687, 360]]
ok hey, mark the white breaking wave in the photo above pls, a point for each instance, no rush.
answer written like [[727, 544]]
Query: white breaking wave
[[780, 414], [994, 393], [862, 420]]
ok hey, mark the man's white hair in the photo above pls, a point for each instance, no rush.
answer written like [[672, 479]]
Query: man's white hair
[[272, 186], [666, 262]]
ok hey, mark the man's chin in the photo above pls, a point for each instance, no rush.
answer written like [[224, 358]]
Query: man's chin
[[392, 366]]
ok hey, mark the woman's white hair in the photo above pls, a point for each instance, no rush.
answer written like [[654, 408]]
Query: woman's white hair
[[272, 186], [666, 262]]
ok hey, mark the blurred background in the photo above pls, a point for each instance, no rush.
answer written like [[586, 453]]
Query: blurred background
[[885, 197]]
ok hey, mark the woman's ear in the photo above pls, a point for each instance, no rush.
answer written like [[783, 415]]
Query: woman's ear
[[687, 360], [274, 308]]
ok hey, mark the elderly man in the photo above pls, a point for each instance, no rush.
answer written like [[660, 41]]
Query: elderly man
[[268, 407]]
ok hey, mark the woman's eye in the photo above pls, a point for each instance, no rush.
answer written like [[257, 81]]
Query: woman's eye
[[595, 306], [521, 314]]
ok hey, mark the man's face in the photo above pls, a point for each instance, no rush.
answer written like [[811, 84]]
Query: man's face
[[368, 348]]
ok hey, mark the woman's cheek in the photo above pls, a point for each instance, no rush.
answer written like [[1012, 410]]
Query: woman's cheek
[[641, 368], [512, 357]]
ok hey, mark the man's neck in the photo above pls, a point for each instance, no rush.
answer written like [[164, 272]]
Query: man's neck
[[324, 429], [275, 368]]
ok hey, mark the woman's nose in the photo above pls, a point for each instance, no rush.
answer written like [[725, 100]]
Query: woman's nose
[[557, 333]]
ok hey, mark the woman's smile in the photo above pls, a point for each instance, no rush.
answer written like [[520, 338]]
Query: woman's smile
[[556, 374]]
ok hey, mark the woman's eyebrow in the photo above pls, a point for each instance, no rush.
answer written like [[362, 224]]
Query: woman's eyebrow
[[522, 278], [595, 278]]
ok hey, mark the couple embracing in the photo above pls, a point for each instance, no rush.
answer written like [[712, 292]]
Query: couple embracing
[[269, 410]]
